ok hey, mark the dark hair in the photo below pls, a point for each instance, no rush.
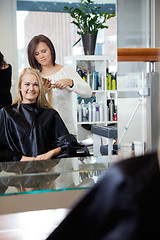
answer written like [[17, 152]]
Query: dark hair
[[2, 61], [31, 48]]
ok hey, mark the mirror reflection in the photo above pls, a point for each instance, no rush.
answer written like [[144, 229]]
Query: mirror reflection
[[53, 174], [32, 22]]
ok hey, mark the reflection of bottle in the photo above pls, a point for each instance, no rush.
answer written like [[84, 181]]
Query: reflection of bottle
[[111, 110], [94, 112], [109, 80], [84, 111], [97, 113], [115, 116], [79, 113], [96, 78], [102, 83], [89, 79], [113, 84], [89, 112], [93, 82], [101, 112]]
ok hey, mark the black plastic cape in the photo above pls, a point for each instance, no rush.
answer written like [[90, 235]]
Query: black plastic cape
[[29, 131]]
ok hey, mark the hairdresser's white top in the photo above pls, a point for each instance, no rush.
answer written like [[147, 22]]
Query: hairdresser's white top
[[64, 100]]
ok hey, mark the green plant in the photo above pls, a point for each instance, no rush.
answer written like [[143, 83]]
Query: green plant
[[87, 17]]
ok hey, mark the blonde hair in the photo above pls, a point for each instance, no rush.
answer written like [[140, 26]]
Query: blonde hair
[[41, 99]]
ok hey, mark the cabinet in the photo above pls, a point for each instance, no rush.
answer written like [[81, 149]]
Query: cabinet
[[95, 70]]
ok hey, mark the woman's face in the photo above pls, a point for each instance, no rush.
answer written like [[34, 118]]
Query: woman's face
[[42, 54], [29, 88]]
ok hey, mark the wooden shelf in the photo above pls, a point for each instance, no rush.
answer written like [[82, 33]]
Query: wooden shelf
[[138, 54]]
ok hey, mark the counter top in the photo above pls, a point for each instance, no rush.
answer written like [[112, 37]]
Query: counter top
[[138, 54], [55, 174], [50, 184]]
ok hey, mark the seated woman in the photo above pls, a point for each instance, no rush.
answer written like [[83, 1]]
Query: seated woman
[[30, 129]]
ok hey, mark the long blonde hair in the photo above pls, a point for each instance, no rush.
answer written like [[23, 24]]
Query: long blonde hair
[[41, 99]]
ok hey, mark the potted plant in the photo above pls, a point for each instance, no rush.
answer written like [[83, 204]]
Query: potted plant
[[89, 19]]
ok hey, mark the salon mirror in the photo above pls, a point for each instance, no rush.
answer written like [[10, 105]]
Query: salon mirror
[[17, 178]]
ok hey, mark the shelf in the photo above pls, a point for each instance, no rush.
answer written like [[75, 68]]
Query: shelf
[[90, 64], [108, 122], [90, 123], [98, 91], [111, 122], [104, 91], [91, 58]]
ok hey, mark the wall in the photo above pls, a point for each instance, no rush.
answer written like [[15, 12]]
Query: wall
[[8, 39]]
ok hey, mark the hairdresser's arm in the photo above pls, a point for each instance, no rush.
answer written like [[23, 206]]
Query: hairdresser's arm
[[63, 83], [79, 86]]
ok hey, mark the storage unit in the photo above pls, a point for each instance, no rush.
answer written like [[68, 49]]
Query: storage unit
[[95, 110]]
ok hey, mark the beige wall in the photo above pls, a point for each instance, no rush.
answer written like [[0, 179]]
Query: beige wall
[[8, 39]]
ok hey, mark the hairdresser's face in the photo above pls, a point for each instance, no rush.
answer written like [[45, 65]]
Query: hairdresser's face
[[29, 88], [42, 54]]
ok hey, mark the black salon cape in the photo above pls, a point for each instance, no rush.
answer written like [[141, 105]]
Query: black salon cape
[[123, 205], [29, 131]]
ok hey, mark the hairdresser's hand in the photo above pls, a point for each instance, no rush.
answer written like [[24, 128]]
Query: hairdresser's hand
[[49, 155], [63, 83], [25, 158], [46, 85]]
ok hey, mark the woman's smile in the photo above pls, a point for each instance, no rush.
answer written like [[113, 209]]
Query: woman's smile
[[29, 88]]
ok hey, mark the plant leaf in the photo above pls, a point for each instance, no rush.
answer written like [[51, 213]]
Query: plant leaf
[[76, 42]]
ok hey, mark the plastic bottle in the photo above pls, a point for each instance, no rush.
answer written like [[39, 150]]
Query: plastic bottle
[[89, 78], [97, 113], [107, 111], [84, 111], [102, 83], [94, 112], [101, 112], [113, 84], [93, 81], [109, 80], [79, 115], [115, 116], [89, 112], [111, 110], [96, 78]]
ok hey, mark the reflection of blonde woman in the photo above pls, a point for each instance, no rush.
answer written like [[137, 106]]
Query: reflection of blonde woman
[[66, 82], [31, 129]]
